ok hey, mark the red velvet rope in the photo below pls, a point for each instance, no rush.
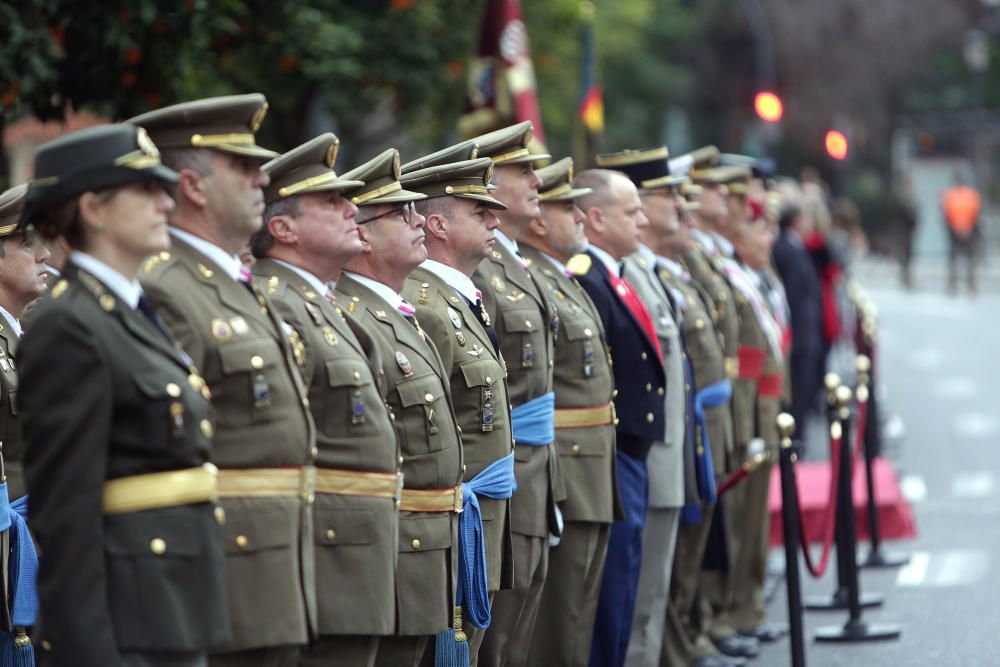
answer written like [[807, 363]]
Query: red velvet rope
[[817, 570]]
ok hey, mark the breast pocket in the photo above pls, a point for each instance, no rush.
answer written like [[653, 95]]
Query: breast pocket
[[251, 370], [525, 326], [157, 415], [583, 341], [350, 396], [483, 378], [424, 409]]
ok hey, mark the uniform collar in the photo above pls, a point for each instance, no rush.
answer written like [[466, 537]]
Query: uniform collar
[[703, 239], [646, 254], [454, 278], [382, 290], [231, 264], [313, 281], [510, 245], [725, 247], [613, 265], [127, 290], [12, 321]]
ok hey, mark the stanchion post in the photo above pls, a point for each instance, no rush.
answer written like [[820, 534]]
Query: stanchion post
[[838, 599], [855, 630], [790, 528], [876, 557]]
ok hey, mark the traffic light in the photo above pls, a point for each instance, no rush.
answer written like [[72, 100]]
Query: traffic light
[[836, 145], [768, 106]]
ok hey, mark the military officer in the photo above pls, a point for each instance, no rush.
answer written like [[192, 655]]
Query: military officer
[[23, 279], [524, 318], [709, 433], [419, 398], [584, 419], [650, 173], [460, 225], [118, 437], [265, 440], [309, 233], [614, 220]]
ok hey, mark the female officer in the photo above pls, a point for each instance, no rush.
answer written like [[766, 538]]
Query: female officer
[[116, 424]]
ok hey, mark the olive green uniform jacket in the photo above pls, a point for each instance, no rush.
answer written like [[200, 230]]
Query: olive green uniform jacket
[[263, 421], [355, 535], [478, 378], [419, 398]]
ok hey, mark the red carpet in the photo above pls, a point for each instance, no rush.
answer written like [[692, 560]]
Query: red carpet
[[895, 515]]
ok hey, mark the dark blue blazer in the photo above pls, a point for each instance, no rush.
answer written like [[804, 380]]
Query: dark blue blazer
[[638, 369], [798, 273]]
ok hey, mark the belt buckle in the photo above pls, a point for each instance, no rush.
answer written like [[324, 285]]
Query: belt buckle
[[307, 485], [458, 499]]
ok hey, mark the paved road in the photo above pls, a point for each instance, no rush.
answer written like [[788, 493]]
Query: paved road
[[940, 372]]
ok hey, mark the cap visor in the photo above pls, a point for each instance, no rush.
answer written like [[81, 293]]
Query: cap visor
[[574, 193], [534, 157], [486, 199], [397, 197], [247, 150], [163, 173]]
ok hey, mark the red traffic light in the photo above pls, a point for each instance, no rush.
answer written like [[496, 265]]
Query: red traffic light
[[836, 145], [768, 106]]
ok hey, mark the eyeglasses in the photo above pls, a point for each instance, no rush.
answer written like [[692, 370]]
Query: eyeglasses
[[408, 210]]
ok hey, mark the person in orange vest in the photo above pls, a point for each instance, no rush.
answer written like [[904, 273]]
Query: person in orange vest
[[962, 205]]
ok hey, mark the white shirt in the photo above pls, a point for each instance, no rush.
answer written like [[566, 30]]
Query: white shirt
[[313, 281], [507, 243], [704, 240], [384, 292], [610, 262], [127, 290], [455, 279], [231, 264], [725, 247], [12, 321]]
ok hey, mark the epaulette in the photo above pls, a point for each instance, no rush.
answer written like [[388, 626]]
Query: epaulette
[[106, 300], [579, 265], [59, 288], [155, 260]]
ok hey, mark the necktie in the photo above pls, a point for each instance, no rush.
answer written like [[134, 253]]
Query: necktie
[[145, 307], [478, 312], [634, 304]]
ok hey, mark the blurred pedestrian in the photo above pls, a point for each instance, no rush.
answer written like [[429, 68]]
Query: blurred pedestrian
[[962, 206]]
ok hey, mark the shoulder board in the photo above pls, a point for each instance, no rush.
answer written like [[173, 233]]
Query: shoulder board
[[59, 288], [155, 260], [579, 264]]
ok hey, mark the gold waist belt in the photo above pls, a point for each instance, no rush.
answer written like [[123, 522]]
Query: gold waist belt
[[431, 500], [354, 483], [601, 415], [247, 482], [161, 489]]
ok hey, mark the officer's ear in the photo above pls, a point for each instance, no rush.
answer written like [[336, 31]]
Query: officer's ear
[[437, 225], [595, 219], [539, 227], [283, 229], [191, 186], [366, 246]]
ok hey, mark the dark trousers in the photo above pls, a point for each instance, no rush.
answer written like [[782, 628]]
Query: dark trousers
[[271, 656], [616, 604], [340, 651], [160, 659], [962, 248]]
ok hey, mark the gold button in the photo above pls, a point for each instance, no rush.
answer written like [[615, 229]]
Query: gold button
[[46, 645], [256, 361], [173, 390], [331, 535], [220, 516], [588, 332], [308, 498], [392, 416], [206, 393], [357, 375], [242, 541], [400, 461], [527, 323], [614, 393], [687, 387], [459, 429], [158, 546], [415, 543], [429, 398], [305, 402], [644, 356], [575, 449], [649, 387], [164, 255], [489, 380], [314, 452], [650, 417], [659, 392], [206, 428], [701, 450], [699, 324]]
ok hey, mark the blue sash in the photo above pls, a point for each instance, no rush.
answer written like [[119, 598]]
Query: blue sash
[[23, 574], [495, 481], [711, 396], [533, 423]]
